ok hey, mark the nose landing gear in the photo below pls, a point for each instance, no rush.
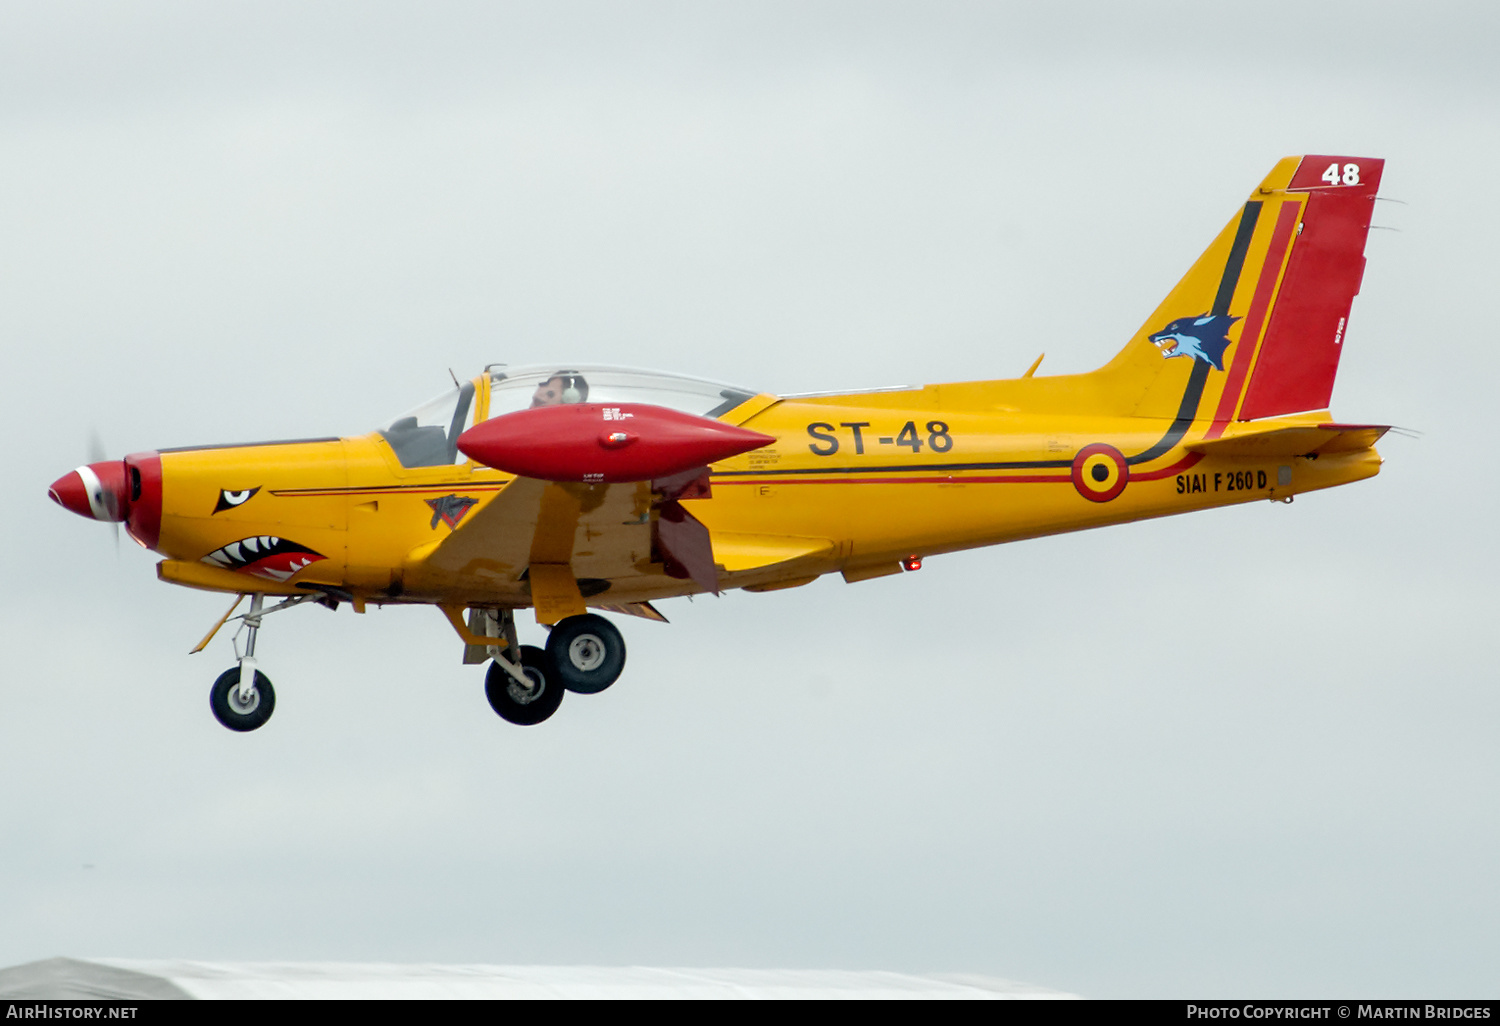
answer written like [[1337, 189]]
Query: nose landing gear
[[240, 708], [242, 699]]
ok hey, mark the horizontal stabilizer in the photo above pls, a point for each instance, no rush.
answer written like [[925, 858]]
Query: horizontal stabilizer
[[1320, 439]]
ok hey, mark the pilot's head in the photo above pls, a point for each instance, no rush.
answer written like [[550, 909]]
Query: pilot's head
[[562, 387]]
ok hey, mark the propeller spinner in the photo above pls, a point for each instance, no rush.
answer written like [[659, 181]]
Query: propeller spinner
[[100, 491]]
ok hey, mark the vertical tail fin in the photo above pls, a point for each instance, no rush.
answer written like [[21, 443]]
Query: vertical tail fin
[[1256, 327]]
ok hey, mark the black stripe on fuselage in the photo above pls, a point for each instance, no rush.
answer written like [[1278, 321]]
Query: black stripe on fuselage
[[1187, 410]]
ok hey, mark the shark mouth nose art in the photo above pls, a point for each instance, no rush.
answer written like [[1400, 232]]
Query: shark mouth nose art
[[274, 559]]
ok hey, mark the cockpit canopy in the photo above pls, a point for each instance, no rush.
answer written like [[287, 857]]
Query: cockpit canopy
[[428, 435], [518, 388]]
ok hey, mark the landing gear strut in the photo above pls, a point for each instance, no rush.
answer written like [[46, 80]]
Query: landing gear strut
[[523, 704], [242, 698], [520, 686], [584, 654]]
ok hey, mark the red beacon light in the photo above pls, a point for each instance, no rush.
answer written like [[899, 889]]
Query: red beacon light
[[912, 563]]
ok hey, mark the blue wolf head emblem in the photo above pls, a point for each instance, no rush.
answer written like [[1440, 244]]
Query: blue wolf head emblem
[[1202, 338]]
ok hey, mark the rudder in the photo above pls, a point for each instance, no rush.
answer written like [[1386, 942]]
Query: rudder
[[1298, 357]]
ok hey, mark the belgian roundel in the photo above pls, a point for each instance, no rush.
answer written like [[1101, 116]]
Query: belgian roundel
[[1100, 472]]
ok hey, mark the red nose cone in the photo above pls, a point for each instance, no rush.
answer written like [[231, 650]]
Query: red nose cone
[[69, 493], [599, 442], [97, 491]]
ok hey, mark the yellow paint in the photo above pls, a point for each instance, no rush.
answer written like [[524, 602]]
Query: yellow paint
[[735, 552], [853, 483], [554, 592], [556, 525]]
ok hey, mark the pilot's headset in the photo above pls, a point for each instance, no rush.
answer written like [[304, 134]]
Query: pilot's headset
[[575, 389]]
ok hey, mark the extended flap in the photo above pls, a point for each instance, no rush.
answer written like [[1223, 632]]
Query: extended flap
[[751, 551]]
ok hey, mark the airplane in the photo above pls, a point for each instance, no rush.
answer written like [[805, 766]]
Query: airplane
[[581, 490]]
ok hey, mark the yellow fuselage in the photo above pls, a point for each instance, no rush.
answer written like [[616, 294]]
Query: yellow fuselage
[[853, 483], [1192, 413]]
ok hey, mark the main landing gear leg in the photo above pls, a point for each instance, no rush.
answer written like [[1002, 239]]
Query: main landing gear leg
[[525, 684], [519, 684]]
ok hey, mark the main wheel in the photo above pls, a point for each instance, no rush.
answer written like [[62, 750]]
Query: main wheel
[[239, 715], [586, 653], [524, 706]]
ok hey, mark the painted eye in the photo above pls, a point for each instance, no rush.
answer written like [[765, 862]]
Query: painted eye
[[229, 499]]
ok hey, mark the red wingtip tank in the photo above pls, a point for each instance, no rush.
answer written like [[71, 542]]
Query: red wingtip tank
[[594, 442]]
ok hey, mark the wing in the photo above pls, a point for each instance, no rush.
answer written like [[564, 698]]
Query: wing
[[545, 544], [564, 546], [553, 545]]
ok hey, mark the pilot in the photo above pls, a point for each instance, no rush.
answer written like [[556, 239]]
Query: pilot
[[562, 387]]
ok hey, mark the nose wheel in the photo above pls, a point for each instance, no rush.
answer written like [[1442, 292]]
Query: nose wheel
[[240, 708], [242, 699]]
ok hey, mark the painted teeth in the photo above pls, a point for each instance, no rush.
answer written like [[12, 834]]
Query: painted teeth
[[246, 552], [271, 574]]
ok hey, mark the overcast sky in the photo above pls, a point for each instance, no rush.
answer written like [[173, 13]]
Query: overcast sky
[[1245, 752]]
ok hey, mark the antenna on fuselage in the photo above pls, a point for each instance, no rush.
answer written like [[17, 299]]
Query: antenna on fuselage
[[454, 377]]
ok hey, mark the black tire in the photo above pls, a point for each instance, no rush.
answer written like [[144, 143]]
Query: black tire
[[225, 703], [514, 703], [586, 653]]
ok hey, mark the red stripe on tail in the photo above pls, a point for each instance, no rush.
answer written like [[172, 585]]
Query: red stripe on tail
[[1281, 236], [1300, 355]]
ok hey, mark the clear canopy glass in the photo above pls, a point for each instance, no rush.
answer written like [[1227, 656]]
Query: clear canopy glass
[[520, 388], [428, 435]]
